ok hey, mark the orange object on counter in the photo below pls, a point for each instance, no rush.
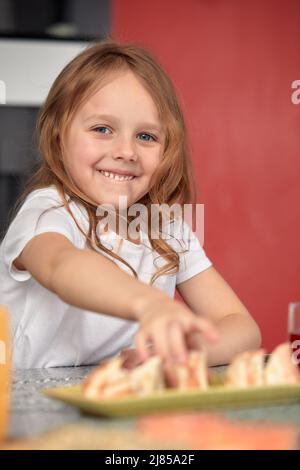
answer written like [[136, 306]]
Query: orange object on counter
[[213, 431], [5, 371]]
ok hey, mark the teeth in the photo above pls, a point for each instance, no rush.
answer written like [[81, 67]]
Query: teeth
[[113, 176]]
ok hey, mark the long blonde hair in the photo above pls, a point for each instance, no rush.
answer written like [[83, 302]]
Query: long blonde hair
[[173, 181]]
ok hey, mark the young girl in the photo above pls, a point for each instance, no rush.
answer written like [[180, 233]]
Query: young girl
[[111, 126]]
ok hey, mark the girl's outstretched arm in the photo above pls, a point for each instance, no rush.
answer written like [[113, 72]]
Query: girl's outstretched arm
[[90, 281], [209, 296]]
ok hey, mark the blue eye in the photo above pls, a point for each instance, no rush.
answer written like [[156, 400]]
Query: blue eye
[[149, 137], [101, 129]]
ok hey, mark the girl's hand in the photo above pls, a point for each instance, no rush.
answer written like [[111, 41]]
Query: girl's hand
[[130, 357], [166, 324]]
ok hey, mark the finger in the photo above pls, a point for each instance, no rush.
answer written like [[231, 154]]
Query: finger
[[132, 362], [131, 358], [160, 342], [194, 340], [141, 345], [170, 375], [177, 343]]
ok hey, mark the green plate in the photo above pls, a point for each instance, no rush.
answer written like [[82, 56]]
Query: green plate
[[216, 396]]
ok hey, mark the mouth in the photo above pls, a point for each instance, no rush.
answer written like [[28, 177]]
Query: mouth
[[115, 177]]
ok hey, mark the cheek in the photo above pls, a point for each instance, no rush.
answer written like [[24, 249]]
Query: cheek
[[81, 152], [151, 163]]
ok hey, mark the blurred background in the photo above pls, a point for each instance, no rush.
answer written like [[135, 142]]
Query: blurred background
[[37, 39], [232, 64]]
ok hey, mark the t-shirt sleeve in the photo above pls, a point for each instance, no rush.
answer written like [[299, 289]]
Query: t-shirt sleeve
[[39, 215], [193, 259]]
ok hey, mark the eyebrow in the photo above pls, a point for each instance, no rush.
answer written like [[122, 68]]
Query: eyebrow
[[110, 117]]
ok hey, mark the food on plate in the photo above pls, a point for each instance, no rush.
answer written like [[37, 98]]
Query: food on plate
[[147, 378], [111, 379], [105, 378], [246, 370], [280, 368], [193, 374]]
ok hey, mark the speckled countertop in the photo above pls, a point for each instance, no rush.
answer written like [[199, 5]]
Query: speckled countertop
[[32, 413]]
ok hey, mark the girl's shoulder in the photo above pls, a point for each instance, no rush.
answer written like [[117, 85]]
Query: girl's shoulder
[[43, 210], [49, 193], [49, 198]]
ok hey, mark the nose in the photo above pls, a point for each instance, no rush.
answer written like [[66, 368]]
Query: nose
[[125, 149]]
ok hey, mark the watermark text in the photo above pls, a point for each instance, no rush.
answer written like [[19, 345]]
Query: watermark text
[[295, 97], [159, 221], [296, 352]]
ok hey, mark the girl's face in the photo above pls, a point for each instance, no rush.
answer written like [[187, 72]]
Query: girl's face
[[116, 131]]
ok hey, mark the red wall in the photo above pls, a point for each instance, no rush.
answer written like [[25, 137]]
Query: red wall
[[232, 64]]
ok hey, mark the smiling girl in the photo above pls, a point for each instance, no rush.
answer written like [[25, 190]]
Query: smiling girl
[[111, 127]]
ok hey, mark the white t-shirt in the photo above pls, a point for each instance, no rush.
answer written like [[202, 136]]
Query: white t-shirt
[[47, 332]]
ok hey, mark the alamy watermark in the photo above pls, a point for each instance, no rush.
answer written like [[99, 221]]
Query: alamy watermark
[[2, 92], [295, 97], [296, 352], [162, 221]]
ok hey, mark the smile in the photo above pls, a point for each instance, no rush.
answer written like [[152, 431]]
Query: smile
[[115, 177]]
